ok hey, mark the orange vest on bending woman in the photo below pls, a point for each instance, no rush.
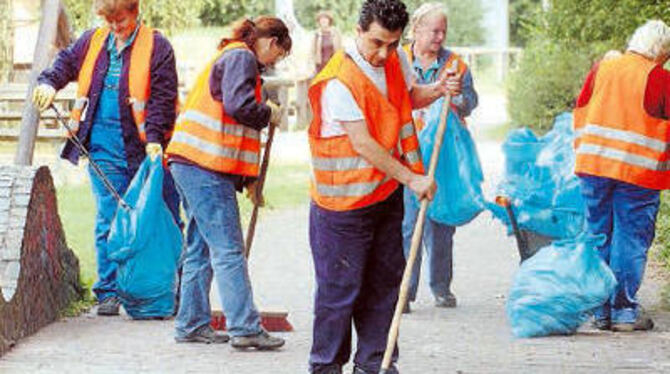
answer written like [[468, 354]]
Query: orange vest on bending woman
[[615, 137], [343, 180], [208, 137], [139, 76]]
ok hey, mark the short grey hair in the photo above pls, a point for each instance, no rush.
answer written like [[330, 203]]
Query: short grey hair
[[651, 40], [424, 10]]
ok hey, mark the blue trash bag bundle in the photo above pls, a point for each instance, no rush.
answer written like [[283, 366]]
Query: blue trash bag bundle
[[146, 243], [557, 289], [459, 198], [540, 182]]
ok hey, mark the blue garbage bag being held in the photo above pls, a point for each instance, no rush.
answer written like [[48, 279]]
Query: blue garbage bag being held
[[556, 290], [459, 198], [540, 182], [146, 243]]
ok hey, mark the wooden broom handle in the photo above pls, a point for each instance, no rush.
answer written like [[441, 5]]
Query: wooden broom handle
[[416, 240]]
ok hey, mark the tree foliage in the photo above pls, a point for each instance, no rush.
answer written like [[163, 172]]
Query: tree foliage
[[522, 15], [564, 41], [465, 17], [165, 15], [224, 12]]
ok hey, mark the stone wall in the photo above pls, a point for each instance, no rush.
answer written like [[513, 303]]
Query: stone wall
[[39, 274]]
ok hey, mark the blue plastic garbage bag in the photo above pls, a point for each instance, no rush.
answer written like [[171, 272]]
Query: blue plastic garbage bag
[[459, 198], [146, 244], [540, 182], [556, 290]]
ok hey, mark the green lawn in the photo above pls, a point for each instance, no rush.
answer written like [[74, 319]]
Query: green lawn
[[286, 186]]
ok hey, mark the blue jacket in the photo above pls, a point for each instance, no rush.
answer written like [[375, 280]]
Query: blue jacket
[[160, 106]]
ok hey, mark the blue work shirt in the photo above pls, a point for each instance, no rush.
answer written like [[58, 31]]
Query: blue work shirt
[[467, 100], [106, 143]]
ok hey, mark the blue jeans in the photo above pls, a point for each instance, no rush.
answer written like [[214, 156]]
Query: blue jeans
[[213, 245], [438, 241], [626, 214]]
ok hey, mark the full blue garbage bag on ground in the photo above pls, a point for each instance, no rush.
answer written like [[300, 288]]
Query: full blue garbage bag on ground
[[540, 182], [557, 289], [459, 198], [146, 244]]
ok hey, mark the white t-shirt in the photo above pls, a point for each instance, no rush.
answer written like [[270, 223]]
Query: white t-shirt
[[337, 102]]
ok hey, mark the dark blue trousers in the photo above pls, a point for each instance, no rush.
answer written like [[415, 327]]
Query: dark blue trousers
[[358, 261]]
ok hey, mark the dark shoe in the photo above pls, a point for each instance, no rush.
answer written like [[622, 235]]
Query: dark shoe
[[391, 370], [204, 334], [448, 301], [262, 341], [406, 309], [642, 323], [109, 307], [329, 369], [602, 324]]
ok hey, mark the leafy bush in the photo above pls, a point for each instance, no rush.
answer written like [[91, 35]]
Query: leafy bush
[[663, 229], [546, 83], [563, 42]]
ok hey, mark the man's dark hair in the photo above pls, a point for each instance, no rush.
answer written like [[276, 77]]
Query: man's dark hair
[[390, 14]]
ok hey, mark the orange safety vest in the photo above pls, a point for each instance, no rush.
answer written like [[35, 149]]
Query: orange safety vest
[[139, 76], [343, 180], [453, 60], [207, 136], [615, 137]]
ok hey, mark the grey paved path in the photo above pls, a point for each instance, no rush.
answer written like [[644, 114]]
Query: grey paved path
[[473, 338]]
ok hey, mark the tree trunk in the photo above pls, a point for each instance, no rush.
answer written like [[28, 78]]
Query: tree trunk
[[44, 52]]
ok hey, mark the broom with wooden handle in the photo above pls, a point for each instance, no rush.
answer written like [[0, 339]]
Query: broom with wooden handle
[[416, 240]]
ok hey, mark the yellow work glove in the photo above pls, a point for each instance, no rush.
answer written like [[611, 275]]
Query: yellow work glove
[[154, 150], [275, 114], [43, 96], [255, 196]]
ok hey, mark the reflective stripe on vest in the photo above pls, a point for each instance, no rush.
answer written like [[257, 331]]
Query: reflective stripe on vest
[[139, 76], [615, 137], [342, 179], [210, 138]]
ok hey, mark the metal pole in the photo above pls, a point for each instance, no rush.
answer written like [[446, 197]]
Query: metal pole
[[44, 51]]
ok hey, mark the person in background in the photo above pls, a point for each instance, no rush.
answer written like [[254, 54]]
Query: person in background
[[215, 152], [327, 40], [622, 150], [124, 110], [429, 59]]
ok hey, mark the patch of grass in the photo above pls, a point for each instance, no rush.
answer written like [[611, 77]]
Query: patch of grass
[[663, 231], [286, 186], [77, 211]]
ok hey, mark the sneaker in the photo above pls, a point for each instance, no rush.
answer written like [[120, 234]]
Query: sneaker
[[109, 306], [261, 341], [642, 323], [448, 301], [602, 324], [204, 334]]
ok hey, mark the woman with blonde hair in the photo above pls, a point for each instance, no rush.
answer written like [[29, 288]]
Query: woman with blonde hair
[[214, 152]]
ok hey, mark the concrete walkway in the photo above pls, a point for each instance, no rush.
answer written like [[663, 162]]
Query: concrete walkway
[[473, 338]]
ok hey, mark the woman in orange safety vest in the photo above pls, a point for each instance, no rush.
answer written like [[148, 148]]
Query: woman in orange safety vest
[[215, 151]]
